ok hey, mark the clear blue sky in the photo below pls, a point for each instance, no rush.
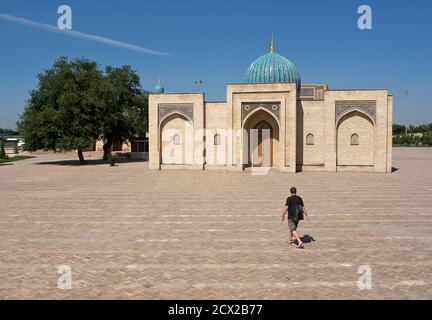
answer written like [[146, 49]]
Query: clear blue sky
[[216, 40]]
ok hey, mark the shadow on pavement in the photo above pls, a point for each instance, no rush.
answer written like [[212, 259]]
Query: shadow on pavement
[[91, 162], [307, 239]]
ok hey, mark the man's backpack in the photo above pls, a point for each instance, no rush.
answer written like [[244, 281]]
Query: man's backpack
[[297, 211]]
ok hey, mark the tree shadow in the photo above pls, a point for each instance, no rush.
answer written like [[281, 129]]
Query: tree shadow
[[6, 164], [307, 239], [91, 162]]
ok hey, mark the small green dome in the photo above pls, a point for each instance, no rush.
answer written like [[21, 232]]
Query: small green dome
[[272, 67]]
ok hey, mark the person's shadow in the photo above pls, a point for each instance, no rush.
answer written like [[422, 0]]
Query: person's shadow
[[307, 239]]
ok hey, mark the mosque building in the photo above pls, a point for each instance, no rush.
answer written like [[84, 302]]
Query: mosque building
[[272, 120]]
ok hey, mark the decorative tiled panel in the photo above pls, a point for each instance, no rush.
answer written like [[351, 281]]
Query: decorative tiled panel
[[183, 109], [319, 93], [273, 107], [307, 92], [311, 92], [343, 107]]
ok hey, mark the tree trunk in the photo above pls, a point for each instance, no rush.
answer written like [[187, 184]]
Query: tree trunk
[[107, 148], [81, 156]]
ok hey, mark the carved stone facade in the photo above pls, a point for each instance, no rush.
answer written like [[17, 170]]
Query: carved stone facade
[[344, 107], [250, 107], [312, 92], [183, 109], [302, 123]]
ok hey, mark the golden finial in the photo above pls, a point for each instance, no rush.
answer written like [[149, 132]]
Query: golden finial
[[272, 45]]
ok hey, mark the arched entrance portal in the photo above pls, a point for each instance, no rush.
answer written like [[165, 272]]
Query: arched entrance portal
[[176, 138], [260, 140], [355, 140]]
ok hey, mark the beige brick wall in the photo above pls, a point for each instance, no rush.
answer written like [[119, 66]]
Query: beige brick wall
[[355, 155], [173, 153], [125, 147], [381, 130], [310, 120], [155, 134], [216, 123], [297, 119], [389, 167], [99, 145]]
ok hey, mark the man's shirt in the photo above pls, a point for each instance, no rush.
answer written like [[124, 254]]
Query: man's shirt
[[290, 202]]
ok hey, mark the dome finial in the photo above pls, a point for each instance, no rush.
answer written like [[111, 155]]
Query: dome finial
[[272, 44]]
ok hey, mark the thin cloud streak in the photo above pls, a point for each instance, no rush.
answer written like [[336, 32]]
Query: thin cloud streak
[[81, 35]]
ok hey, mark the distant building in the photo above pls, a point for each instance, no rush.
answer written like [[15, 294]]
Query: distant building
[[12, 142], [138, 147]]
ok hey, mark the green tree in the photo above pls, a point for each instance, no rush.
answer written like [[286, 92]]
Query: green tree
[[125, 107], [426, 139], [2, 150], [398, 129], [62, 111]]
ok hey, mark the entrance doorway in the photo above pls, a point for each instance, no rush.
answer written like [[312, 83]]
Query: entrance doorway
[[261, 140]]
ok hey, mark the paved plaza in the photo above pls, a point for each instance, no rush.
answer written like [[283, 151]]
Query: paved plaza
[[130, 233]]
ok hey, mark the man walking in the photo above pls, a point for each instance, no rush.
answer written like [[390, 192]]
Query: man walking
[[294, 206]]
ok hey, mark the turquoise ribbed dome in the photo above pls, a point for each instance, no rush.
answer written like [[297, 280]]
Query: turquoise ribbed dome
[[272, 67], [159, 88]]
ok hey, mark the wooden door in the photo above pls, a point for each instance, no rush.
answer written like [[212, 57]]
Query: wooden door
[[263, 154]]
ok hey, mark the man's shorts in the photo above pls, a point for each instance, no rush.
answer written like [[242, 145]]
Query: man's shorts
[[292, 225]]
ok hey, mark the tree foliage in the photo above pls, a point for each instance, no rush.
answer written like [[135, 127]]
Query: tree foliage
[[124, 113], [412, 135], [398, 129], [2, 150], [76, 102], [61, 110], [4, 130]]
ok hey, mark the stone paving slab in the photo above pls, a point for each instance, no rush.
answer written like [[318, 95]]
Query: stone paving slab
[[130, 233]]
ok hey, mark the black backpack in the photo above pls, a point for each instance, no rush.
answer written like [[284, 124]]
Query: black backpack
[[297, 211]]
